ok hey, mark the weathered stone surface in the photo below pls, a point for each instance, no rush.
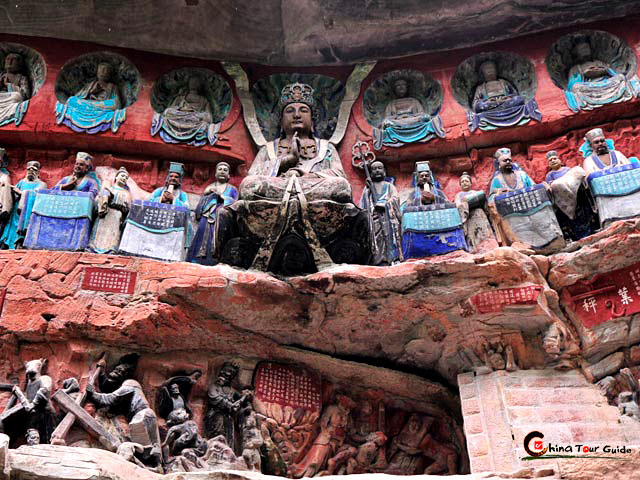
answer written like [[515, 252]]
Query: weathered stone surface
[[416, 313]]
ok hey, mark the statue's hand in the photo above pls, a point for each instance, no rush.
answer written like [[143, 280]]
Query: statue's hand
[[427, 197], [167, 197], [295, 147]]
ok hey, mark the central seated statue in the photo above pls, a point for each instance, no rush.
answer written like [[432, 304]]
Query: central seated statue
[[295, 203], [297, 153]]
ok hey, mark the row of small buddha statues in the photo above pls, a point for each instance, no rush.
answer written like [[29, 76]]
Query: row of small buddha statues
[[494, 101], [294, 212], [278, 427]]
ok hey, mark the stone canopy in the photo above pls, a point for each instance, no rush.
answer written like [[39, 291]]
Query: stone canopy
[[300, 32]]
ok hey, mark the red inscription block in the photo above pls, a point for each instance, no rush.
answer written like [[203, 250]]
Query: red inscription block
[[288, 385], [496, 300], [606, 296], [109, 280]]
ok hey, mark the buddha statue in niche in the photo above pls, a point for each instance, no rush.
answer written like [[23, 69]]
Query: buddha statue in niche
[[15, 90], [188, 118], [494, 92], [593, 83]]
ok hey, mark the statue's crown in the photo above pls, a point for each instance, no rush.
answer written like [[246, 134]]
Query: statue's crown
[[296, 93]]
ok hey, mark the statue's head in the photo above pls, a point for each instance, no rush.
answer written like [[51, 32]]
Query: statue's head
[[400, 87], [414, 423], [345, 402], [377, 171], [227, 373], [488, 70], [122, 371], [596, 139], [33, 437], [174, 390], [465, 182], [502, 158], [223, 172], [104, 72], [174, 177], [378, 438], [423, 173], [33, 170], [34, 368], [13, 63], [296, 103], [553, 160], [83, 165], [582, 51], [121, 177], [194, 84]]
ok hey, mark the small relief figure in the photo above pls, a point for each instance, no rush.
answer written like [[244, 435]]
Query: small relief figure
[[570, 198], [216, 195], [333, 429], [83, 178], [15, 90], [30, 410], [252, 441], [6, 189], [521, 211], [125, 395], [113, 202], [497, 103], [381, 201], [183, 440], [97, 107], [174, 393], [414, 442], [471, 204], [405, 120], [224, 404], [172, 193], [560, 346], [23, 197], [593, 83], [188, 119]]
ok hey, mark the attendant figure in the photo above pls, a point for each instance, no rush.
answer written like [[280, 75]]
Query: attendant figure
[[570, 199], [23, 192], [216, 195], [96, 107], [603, 154], [497, 103], [405, 120], [612, 178], [508, 175], [380, 199], [83, 178], [188, 119], [471, 204], [6, 189], [593, 83], [172, 193], [425, 190], [114, 202], [15, 90]]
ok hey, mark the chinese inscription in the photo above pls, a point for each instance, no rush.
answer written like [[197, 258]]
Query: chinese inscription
[[496, 300], [109, 280], [288, 386]]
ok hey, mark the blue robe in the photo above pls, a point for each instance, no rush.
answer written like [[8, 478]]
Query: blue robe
[[386, 237], [522, 180], [11, 234], [203, 245], [82, 114]]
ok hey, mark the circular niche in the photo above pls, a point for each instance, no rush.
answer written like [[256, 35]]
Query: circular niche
[[604, 47], [34, 66], [327, 95], [215, 89], [76, 73], [518, 70], [422, 87]]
